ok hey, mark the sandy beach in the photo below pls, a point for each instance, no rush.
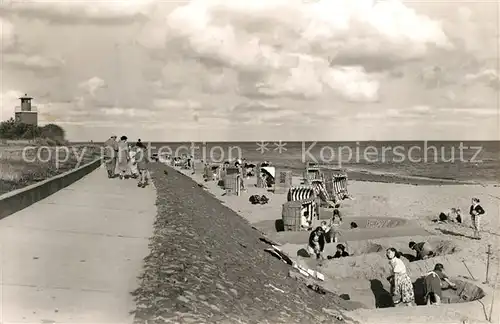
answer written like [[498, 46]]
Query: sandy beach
[[404, 213]]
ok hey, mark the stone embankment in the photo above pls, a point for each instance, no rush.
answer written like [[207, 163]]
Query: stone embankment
[[207, 265]]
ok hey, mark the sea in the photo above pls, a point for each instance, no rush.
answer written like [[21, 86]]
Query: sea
[[450, 160]]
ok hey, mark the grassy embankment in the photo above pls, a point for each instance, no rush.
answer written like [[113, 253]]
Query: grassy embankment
[[18, 170]]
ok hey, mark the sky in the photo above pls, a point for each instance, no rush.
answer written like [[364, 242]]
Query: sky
[[255, 69]]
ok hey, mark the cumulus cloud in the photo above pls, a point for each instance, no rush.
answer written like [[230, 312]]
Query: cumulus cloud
[[489, 77], [299, 49], [246, 65], [92, 85], [75, 11], [7, 35]]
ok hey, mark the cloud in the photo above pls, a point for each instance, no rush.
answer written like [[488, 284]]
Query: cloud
[[7, 35], [8, 102], [33, 62], [168, 104], [81, 12], [126, 112], [489, 77], [297, 49], [481, 112], [92, 85], [420, 109], [391, 114], [256, 112], [232, 69]]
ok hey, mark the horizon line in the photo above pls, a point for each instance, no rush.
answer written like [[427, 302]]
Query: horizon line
[[294, 141]]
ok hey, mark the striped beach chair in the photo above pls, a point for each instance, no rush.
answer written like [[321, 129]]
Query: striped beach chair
[[336, 185], [321, 192], [305, 193]]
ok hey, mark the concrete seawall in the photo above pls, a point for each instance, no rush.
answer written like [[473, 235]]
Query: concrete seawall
[[17, 200]]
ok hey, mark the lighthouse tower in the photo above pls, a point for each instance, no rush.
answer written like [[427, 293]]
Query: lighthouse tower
[[26, 113]]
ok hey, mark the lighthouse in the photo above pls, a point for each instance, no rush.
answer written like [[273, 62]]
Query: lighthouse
[[26, 113]]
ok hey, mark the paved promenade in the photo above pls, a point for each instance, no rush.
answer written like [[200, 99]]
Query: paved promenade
[[74, 257]]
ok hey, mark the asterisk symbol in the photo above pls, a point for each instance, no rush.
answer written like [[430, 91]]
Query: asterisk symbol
[[262, 147], [280, 147]]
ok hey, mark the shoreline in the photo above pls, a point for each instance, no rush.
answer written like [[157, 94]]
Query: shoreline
[[366, 175]]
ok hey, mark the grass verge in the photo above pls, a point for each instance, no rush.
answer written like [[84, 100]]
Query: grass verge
[[18, 170]]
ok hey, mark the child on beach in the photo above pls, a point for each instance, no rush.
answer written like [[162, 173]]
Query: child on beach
[[433, 284], [476, 211], [335, 223], [402, 287], [341, 252], [423, 250], [451, 215]]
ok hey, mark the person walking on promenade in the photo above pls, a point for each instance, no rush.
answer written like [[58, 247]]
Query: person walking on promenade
[[142, 158], [476, 212], [110, 153], [123, 157], [402, 287]]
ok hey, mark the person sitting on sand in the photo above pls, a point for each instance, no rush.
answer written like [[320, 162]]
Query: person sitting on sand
[[451, 215], [305, 220], [401, 285], [341, 252], [316, 243], [433, 284], [476, 211], [423, 250], [354, 225]]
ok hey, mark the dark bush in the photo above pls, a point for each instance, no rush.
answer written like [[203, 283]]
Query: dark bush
[[12, 130]]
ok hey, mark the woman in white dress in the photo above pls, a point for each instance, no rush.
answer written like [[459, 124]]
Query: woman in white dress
[[401, 285]]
